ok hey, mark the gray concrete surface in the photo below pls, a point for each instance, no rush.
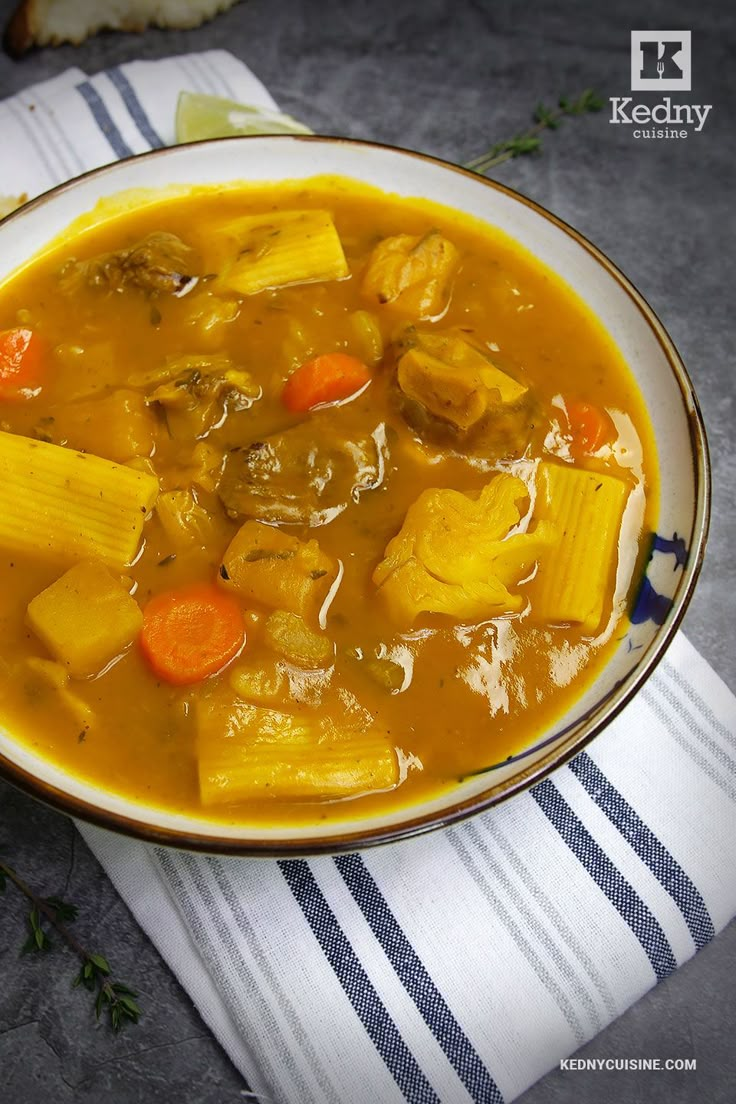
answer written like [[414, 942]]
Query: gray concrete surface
[[449, 79]]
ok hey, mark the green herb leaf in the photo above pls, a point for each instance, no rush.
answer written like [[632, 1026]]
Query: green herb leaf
[[545, 118], [37, 940], [118, 987], [64, 912], [589, 100], [94, 972], [526, 144], [130, 1006], [100, 962]]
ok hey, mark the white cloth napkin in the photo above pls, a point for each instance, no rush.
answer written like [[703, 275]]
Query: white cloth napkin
[[72, 123], [463, 965]]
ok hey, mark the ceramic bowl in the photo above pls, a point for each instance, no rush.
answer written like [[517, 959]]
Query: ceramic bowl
[[644, 344]]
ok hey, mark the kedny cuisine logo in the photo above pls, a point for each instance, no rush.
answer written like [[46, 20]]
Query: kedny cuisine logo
[[661, 61]]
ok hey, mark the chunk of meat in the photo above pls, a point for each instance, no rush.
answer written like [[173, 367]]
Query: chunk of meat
[[456, 555], [159, 264], [454, 380], [451, 390], [187, 521], [195, 393], [308, 474], [412, 273]]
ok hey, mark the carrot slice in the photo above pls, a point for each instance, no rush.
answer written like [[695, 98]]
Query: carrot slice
[[191, 632], [590, 427], [324, 379], [21, 357]]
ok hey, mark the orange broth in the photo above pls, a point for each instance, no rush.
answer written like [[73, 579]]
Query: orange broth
[[450, 696]]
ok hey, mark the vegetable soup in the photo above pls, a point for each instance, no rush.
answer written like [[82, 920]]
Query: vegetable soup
[[313, 501]]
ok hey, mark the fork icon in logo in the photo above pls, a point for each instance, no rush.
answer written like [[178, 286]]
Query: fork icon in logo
[[660, 69]]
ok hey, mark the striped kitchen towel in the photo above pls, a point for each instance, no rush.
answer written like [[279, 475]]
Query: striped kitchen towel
[[463, 965], [72, 123]]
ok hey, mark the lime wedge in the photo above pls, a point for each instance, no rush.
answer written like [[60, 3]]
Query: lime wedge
[[199, 116]]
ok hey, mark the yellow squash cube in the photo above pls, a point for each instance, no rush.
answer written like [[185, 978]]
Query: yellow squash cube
[[278, 570], [85, 619]]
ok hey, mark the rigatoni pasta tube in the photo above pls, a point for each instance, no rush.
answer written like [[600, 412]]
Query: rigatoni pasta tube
[[70, 505], [575, 575], [246, 751], [282, 248]]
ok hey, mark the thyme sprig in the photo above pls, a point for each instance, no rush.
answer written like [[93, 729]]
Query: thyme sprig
[[111, 997], [545, 118]]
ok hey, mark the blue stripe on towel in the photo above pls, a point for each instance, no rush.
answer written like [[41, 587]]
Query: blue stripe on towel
[[31, 133], [104, 120], [611, 881], [665, 868], [365, 1000], [419, 985], [135, 108]]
